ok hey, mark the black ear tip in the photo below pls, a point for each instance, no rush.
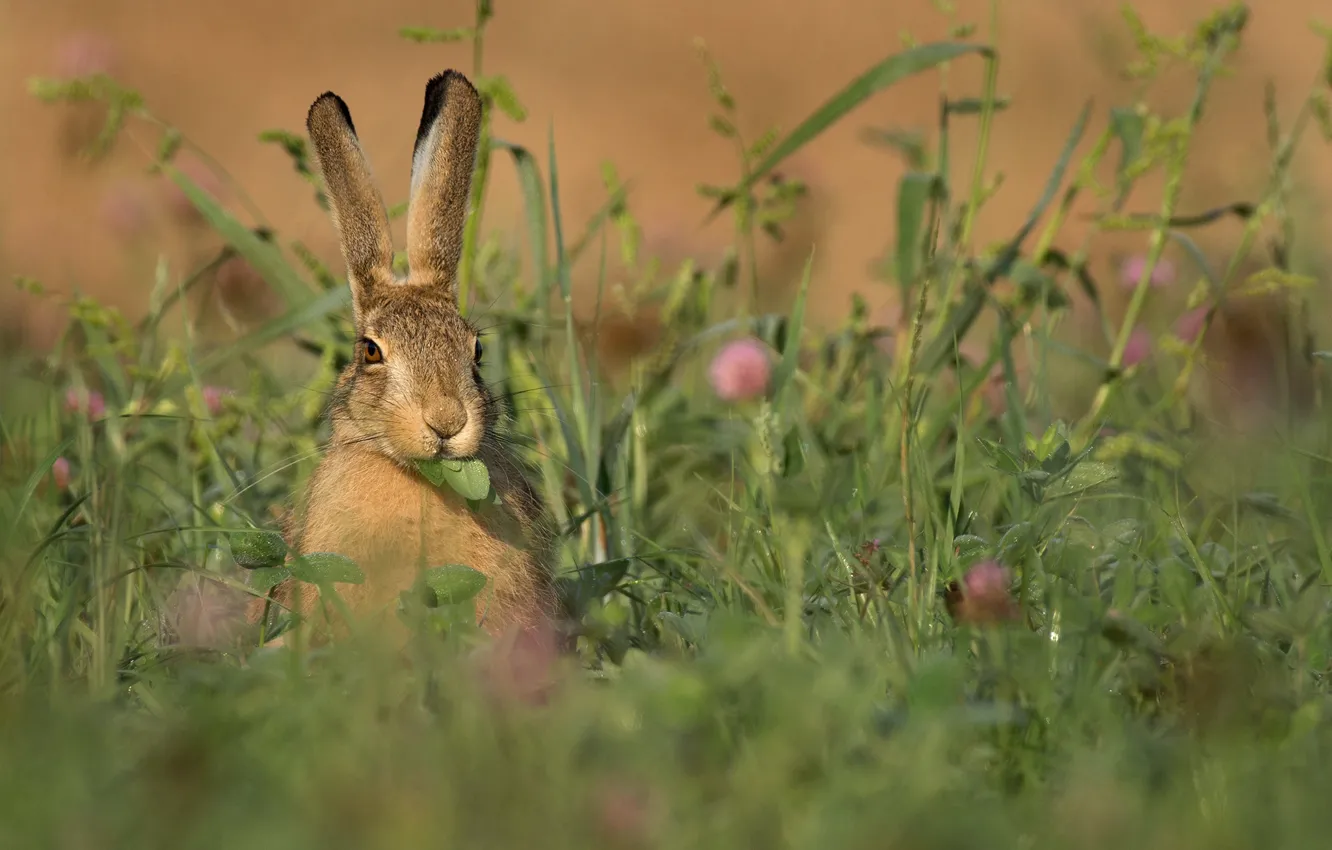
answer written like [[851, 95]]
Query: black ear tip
[[330, 97], [436, 93], [440, 82]]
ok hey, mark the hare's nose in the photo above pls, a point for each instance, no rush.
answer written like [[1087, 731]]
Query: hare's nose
[[446, 418]]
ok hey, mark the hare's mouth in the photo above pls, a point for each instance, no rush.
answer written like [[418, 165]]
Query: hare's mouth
[[444, 452], [409, 449], [456, 446], [422, 440]]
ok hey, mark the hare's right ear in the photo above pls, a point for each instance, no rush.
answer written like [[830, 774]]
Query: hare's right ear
[[358, 209], [442, 163]]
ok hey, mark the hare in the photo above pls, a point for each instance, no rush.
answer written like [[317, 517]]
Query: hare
[[413, 391]]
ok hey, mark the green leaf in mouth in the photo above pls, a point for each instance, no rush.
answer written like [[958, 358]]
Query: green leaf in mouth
[[468, 477]]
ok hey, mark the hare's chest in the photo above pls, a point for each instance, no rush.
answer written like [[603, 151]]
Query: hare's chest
[[394, 527], [392, 523]]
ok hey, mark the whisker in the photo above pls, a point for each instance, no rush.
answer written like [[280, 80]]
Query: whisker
[[531, 389], [508, 442]]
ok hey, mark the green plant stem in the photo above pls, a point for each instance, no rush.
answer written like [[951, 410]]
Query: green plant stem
[[1156, 244], [481, 176], [918, 320], [977, 191], [1280, 170]]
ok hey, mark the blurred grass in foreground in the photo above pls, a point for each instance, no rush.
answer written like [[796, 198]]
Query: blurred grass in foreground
[[864, 589]]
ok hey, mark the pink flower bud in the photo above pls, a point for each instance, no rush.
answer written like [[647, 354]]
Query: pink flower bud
[[741, 370], [124, 209], [90, 404], [84, 54], [1139, 347], [60, 473], [522, 666], [1189, 325], [624, 813], [1163, 274], [213, 397], [206, 614], [983, 597], [987, 578]]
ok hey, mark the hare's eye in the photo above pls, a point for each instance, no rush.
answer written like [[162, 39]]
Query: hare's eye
[[478, 351], [373, 353]]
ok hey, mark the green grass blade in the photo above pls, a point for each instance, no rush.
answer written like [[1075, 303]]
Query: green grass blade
[[795, 328], [534, 212], [561, 261], [30, 486], [961, 319], [1128, 126], [306, 316], [596, 221], [886, 73], [913, 194], [263, 255]]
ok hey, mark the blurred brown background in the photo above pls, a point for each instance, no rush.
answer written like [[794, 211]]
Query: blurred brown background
[[618, 81]]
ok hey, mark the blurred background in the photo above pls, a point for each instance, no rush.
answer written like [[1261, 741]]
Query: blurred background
[[618, 82]]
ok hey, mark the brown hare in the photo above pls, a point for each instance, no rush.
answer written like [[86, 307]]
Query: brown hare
[[413, 391]]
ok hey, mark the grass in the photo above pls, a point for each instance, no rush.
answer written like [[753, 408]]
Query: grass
[[784, 640]]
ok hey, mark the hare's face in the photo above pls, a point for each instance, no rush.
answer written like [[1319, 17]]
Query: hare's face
[[414, 388]]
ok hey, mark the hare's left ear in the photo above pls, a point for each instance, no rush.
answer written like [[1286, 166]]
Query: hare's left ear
[[442, 164], [358, 210]]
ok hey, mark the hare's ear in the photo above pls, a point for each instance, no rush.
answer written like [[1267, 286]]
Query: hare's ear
[[442, 163], [358, 209]]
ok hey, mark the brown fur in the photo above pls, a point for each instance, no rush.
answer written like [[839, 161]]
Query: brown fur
[[413, 391]]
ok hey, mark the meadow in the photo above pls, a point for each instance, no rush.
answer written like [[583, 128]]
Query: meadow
[[970, 579]]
